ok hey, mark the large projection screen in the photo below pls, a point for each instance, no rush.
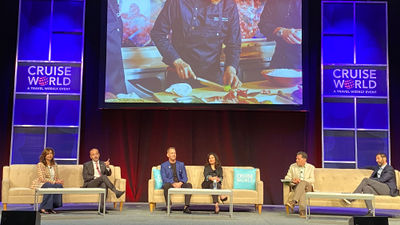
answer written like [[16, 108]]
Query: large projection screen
[[203, 52]]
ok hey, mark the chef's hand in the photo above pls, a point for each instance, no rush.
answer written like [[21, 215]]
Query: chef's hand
[[183, 69], [230, 77], [291, 36]]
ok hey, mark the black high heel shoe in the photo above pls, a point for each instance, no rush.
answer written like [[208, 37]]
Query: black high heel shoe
[[223, 199]]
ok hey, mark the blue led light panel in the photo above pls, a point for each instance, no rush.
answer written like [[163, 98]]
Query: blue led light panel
[[339, 145], [34, 30], [338, 113], [28, 144]]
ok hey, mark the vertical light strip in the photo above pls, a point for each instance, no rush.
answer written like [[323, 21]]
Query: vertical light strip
[[355, 98], [80, 91], [355, 132], [51, 29], [15, 83], [387, 83], [354, 34], [49, 58], [45, 121], [322, 85]]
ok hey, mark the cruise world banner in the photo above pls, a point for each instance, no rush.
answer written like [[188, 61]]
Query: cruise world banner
[[48, 77], [355, 81]]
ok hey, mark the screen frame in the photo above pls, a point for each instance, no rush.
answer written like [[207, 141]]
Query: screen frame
[[102, 104]]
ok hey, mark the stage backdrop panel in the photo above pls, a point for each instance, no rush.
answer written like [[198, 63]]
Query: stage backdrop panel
[[48, 80], [354, 83]]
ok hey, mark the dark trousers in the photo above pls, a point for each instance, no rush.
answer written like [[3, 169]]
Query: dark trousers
[[102, 182], [167, 186], [209, 185], [51, 201], [370, 186]]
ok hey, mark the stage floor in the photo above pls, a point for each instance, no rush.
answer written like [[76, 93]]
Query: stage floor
[[138, 213]]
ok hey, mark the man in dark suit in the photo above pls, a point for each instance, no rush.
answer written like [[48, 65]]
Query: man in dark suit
[[381, 182], [173, 174], [95, 174]]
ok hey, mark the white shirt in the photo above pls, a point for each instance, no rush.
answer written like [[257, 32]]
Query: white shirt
[[95, 166], [301, 171], [96, 172], [51, 169], [378, 174]]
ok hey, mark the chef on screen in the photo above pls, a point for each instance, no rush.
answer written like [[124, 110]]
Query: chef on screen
[[115, 76], [189, 35], [281, 21]]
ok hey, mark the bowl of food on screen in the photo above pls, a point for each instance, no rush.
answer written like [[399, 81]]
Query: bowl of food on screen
[[283, 77]]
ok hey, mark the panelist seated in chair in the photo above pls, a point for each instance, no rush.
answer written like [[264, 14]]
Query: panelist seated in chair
[[96, 172], [213, 176], [47, 177], [302, 179], [381, 182], [173, 175]]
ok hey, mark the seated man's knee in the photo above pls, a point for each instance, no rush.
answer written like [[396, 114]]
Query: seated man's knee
[[367, 189], [166, 186], [103, 177]]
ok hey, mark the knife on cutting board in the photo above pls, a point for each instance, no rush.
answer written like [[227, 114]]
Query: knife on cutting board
[[209, 83]]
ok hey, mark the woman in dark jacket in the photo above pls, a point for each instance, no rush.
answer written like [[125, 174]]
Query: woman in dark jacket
[[213, 172]]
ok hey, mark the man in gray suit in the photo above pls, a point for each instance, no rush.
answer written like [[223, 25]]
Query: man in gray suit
[[95, 174], [381, 182]]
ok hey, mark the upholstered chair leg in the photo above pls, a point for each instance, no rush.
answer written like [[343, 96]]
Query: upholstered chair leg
[[115, 205], [259, 208], [121, 204], [152, 206], [4, 206]]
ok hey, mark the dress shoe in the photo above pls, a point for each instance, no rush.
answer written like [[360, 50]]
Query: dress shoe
[[118, 194], [52, 211], [187, 210], [290, 207], [101, 211], [369, 213], [302, 213]]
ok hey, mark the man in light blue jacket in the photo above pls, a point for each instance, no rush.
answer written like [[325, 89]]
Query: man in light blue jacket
[[173, 174]]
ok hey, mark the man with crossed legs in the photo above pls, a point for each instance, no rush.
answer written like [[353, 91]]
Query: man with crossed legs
[[95, 174], [381, 182]]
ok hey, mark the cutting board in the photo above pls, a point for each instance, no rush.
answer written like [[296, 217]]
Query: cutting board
[[206, 92]]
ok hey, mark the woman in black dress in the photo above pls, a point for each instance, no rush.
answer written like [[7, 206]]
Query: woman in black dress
[[213, 172]]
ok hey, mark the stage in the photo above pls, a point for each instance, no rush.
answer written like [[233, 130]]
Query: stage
[[138, 213]]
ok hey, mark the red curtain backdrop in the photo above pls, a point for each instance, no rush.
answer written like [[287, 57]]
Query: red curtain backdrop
[[137, 140]]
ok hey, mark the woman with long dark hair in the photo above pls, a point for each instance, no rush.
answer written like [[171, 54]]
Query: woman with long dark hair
[[47, 177], [213, 175]]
